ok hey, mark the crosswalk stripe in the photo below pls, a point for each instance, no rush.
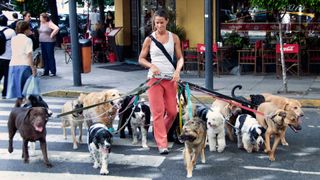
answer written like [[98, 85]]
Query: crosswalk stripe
[[84, 157], [45, 176], [59, 138]]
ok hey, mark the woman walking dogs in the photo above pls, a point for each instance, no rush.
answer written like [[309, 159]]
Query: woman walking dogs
[[162, 97]]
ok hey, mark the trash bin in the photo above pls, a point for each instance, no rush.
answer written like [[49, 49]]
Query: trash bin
[[85, 46]]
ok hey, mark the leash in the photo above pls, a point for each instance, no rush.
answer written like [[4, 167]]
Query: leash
[[222, 97], [137, 91]]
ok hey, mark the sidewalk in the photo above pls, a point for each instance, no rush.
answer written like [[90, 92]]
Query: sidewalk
[[306, 89]]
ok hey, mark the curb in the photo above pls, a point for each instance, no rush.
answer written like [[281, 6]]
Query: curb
[[306, 103]]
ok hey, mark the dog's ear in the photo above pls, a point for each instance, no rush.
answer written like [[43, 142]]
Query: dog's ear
[[27, 114], [282, 114], [263, 130]]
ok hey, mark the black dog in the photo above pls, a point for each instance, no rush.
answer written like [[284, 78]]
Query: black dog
[[34, 101], [31, 123], [126, 109]]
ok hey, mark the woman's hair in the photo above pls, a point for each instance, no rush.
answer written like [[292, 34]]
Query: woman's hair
[[160, 13], [22, 26], [45, 16], [24, 13]]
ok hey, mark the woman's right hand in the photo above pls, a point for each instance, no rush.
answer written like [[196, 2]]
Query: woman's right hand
[[155, 70], [34, 71]]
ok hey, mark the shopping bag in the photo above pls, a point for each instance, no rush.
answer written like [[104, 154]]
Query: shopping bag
[[31, 87]]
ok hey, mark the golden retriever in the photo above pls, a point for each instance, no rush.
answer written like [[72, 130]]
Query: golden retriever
[[104, 113]]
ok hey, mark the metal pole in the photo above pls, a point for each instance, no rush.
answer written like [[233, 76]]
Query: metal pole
[[208, 43], [218, 21], [74, 43]]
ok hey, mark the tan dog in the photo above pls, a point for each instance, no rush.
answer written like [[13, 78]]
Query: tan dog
[[73, 120], [104, 113], [275, 121], [229, 111], [285, 104], [194, 137]]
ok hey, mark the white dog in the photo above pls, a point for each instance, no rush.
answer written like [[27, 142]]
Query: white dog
[[249, 133], [215, 130]]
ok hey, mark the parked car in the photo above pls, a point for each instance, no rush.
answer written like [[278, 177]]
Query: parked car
[[64, 24], [226, 16]]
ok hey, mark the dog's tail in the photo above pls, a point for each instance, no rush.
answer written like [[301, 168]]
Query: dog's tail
[[233, 89]]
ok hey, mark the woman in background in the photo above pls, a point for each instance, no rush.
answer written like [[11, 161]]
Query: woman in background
[[21, 65], [47, 38]]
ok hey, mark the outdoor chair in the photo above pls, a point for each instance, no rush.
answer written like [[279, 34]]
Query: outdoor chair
[[66, 45], [268, 57], [190, 57], [291, 59], [313, 58], [201, 58], [249, 56], [98, 50]]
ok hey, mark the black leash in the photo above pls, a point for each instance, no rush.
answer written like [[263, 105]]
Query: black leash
[[135, 92]]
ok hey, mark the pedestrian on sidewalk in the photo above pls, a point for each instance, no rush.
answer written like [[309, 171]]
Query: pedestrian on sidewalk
[[6, 56], [21, 65], [47, 38], [163, 96]]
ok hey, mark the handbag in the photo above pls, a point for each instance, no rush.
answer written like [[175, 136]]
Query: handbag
[[31, 87], [164, 51]]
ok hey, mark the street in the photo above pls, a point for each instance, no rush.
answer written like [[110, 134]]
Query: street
[[300, 160]]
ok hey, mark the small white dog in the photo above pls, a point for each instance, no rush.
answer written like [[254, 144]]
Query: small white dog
[[215, 130], [249, 133]]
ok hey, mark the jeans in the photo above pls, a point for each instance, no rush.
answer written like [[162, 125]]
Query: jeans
[[47, 50]]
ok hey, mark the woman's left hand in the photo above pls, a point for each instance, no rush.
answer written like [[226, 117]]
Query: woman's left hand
[[176, 76]]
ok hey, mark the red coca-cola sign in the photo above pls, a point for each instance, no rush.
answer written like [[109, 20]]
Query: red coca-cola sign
[[288, 48], [202, 48]]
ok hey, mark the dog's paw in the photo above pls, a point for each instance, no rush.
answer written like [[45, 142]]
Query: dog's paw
[[134, 142], [189, 176], [75, 146], [272, 158], [212, 149], [95, 165], [284, 143], [145, 146], [26, 161], [220, 150], [48, 165], [104, 172], [10, 149]]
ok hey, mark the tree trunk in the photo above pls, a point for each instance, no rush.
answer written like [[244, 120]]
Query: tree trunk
[[283, 64], [54, 11]]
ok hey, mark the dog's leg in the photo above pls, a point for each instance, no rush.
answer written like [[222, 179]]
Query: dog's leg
[[239, 140], [43, 145], [187, 158], [196, 153], [12, 131], [221, 139], [274, 147], [144, 134], [134, 134], [203, 156], [229, 132], [64, 132], [94, 154], [283, 138], [104, 163], [74, 138], [267, 141], [211, 140], [25, 153], [80, 133]]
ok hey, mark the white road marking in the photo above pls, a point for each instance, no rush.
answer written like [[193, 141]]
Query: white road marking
[[45, 176], [281, 170], [84, 157]]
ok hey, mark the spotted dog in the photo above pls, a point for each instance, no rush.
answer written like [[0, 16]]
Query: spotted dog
[[99, 145], [249, 133]]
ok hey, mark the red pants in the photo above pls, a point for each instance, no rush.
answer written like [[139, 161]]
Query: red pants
[[163, 106]]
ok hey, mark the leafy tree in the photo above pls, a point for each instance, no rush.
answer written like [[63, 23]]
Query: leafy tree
[[34, 7], [278, 8]]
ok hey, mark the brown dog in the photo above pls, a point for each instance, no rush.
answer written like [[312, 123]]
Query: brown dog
[[275, 121], [194, 136], [104, 113], [287, 105], [31, 123]]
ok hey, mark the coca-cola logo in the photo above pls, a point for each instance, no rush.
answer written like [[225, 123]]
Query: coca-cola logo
[[288, 48]]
